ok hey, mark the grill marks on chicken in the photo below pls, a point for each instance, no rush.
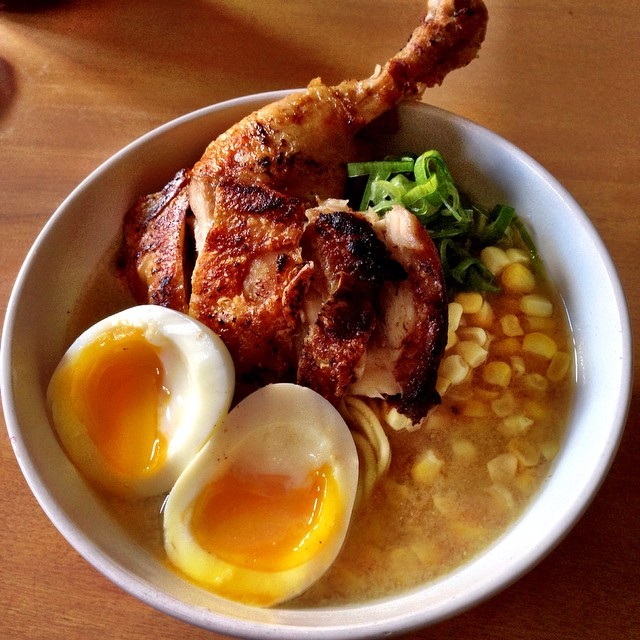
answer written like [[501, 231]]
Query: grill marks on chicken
[[250, 279], [351, 264], [155, 257], [322, 295]]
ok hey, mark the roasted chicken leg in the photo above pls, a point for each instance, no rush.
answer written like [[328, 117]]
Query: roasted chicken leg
[[297, 285]]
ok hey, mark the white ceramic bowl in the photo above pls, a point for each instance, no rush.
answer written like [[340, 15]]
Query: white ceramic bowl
[[69, 252]]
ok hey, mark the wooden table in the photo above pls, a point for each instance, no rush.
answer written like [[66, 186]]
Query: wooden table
[[80, 79]]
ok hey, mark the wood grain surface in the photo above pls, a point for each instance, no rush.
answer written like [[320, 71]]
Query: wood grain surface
[[82, 78]]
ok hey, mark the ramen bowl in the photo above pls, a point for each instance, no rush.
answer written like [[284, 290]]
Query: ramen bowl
[[67, 264]]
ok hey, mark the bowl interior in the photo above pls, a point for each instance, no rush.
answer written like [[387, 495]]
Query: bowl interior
[[69, 259]]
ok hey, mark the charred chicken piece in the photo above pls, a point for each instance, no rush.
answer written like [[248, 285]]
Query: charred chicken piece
[[156, 260], [250, 278], [351, 264], [405, 351]]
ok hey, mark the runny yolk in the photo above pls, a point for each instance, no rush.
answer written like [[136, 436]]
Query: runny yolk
[[117, 389], [261, 522]]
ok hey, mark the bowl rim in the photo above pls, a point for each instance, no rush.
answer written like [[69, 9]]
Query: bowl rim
[[391, 623]]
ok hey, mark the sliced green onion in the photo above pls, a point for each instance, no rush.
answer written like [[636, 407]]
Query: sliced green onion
[[425, 186]]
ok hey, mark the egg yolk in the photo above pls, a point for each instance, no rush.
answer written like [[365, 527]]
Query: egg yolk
[[264, 523], [117, 388]]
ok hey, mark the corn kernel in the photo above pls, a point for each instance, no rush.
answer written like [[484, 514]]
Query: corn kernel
[[484, 316], [536, 305], [536, 383], [455, 313], [517, 365], [482, 393], [446, 504], [427, 551], [535, 410], [495, 259], [497, 372], [474, 408], [505, 405], [454, 368], [502, 469], [467, 531], [515, 425], [539, 344], [545, 325], [474, 355], [474, 334], [526, 479], [518, 255], [506, 348], [452, 339], [549, 449], [510, 325], [517, 278], [471, 302], [503, 496], [464, 449], [442, 386], [427, 468], [526, 452], [559, 366], [398, 421]]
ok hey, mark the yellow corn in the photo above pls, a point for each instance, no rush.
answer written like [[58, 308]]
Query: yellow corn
[[495, 259], [502, 469], [516, 278], [455, 313], [464, 449], [559, 366], [483, 317], [505, 405], [535, 410], [536, 383], [517, 365], [497, 372], [518, 255], [534, 323], [453, 368], [473, 354], [539, 344], [536, 305], [506, 348], [526, 452], [474, 334], [515, 425], [510, 325], [427, 468], [471, 302], [474, 408]]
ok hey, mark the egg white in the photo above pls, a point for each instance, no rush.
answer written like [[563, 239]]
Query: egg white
[[281, 429], [198, 374]]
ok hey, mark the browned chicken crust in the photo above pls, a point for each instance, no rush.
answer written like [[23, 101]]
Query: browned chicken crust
[[155, 257]]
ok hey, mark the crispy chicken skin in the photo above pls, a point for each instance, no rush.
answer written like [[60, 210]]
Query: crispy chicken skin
[[155, 256], [250, 278]]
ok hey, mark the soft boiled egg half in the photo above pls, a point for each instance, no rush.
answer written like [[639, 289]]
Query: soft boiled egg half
[[137, 395], [263, 510]]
